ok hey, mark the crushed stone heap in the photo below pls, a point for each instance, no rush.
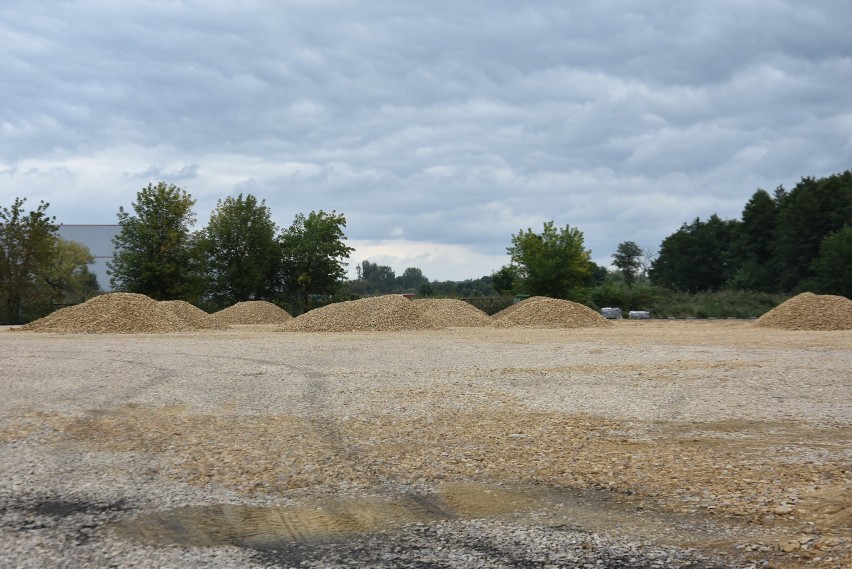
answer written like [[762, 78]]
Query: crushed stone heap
[[192, 315], [809, 311], [118, 312], [450, 312], [380, 313], [252, 312], [545, 312]]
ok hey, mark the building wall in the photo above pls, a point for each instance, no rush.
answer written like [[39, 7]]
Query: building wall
[[98, 238]]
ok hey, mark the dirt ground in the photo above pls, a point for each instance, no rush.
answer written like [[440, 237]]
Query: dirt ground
[[718, 436]]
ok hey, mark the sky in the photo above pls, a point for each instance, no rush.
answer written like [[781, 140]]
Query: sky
[[439, 129]]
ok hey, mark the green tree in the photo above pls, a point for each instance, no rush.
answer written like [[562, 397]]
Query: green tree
[[374, 278], [313, 253], [503, 280], [242, 256], [380, 279], [597, 276], [628, 260], [696, 257], [154, 249], [753, 242], [68, 275], [551, 263], [426, 289], [27, 241], [411, 279], [809, 213], [833, 268]]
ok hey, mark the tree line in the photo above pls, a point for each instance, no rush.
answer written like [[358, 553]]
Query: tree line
[[374, 279], [241, 254], [786, 242]]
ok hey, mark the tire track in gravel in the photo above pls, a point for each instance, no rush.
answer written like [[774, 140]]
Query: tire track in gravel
[[324, 422]]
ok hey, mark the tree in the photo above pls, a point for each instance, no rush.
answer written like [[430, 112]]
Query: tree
[[426, 289], [374, 279], [379, 278], [411, 279], [597, 276], [68, 275], [696, 257], [313, 251], [753, 241], [628, 259], [809, 213], [504, 280], [649, 254], [242, 256], [833, 268], [551, 263], [27, 241], [154, 250]]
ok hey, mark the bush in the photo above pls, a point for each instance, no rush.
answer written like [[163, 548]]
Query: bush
[[663, 303], [721, 304]]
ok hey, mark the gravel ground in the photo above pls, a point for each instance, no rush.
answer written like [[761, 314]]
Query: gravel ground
[[645, 444]]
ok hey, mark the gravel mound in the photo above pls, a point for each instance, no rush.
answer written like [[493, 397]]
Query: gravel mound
[[118, 312], [449, 312], [192, 315], [809, 311], [252, 312], [380, 313], [545, 312]]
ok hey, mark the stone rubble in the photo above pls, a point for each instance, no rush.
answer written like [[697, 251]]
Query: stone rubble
[[114, 313], [544, 312], [809, 311], [386, 313], [450, 312], [193, 315]]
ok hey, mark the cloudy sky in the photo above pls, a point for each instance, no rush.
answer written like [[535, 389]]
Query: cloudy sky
[[438, 128]]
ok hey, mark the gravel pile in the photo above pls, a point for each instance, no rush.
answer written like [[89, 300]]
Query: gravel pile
[[809, 311], [450, 312], [119, 312], [545, 312], [252, 312], [381, 313], [192, 315]]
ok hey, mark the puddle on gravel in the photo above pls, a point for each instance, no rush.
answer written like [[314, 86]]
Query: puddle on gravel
[[260, 527], [340, 520]]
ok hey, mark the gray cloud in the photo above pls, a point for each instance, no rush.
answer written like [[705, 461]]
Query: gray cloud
[[427, 122]]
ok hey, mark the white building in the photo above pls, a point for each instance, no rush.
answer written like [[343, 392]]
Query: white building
[[98, 238]]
